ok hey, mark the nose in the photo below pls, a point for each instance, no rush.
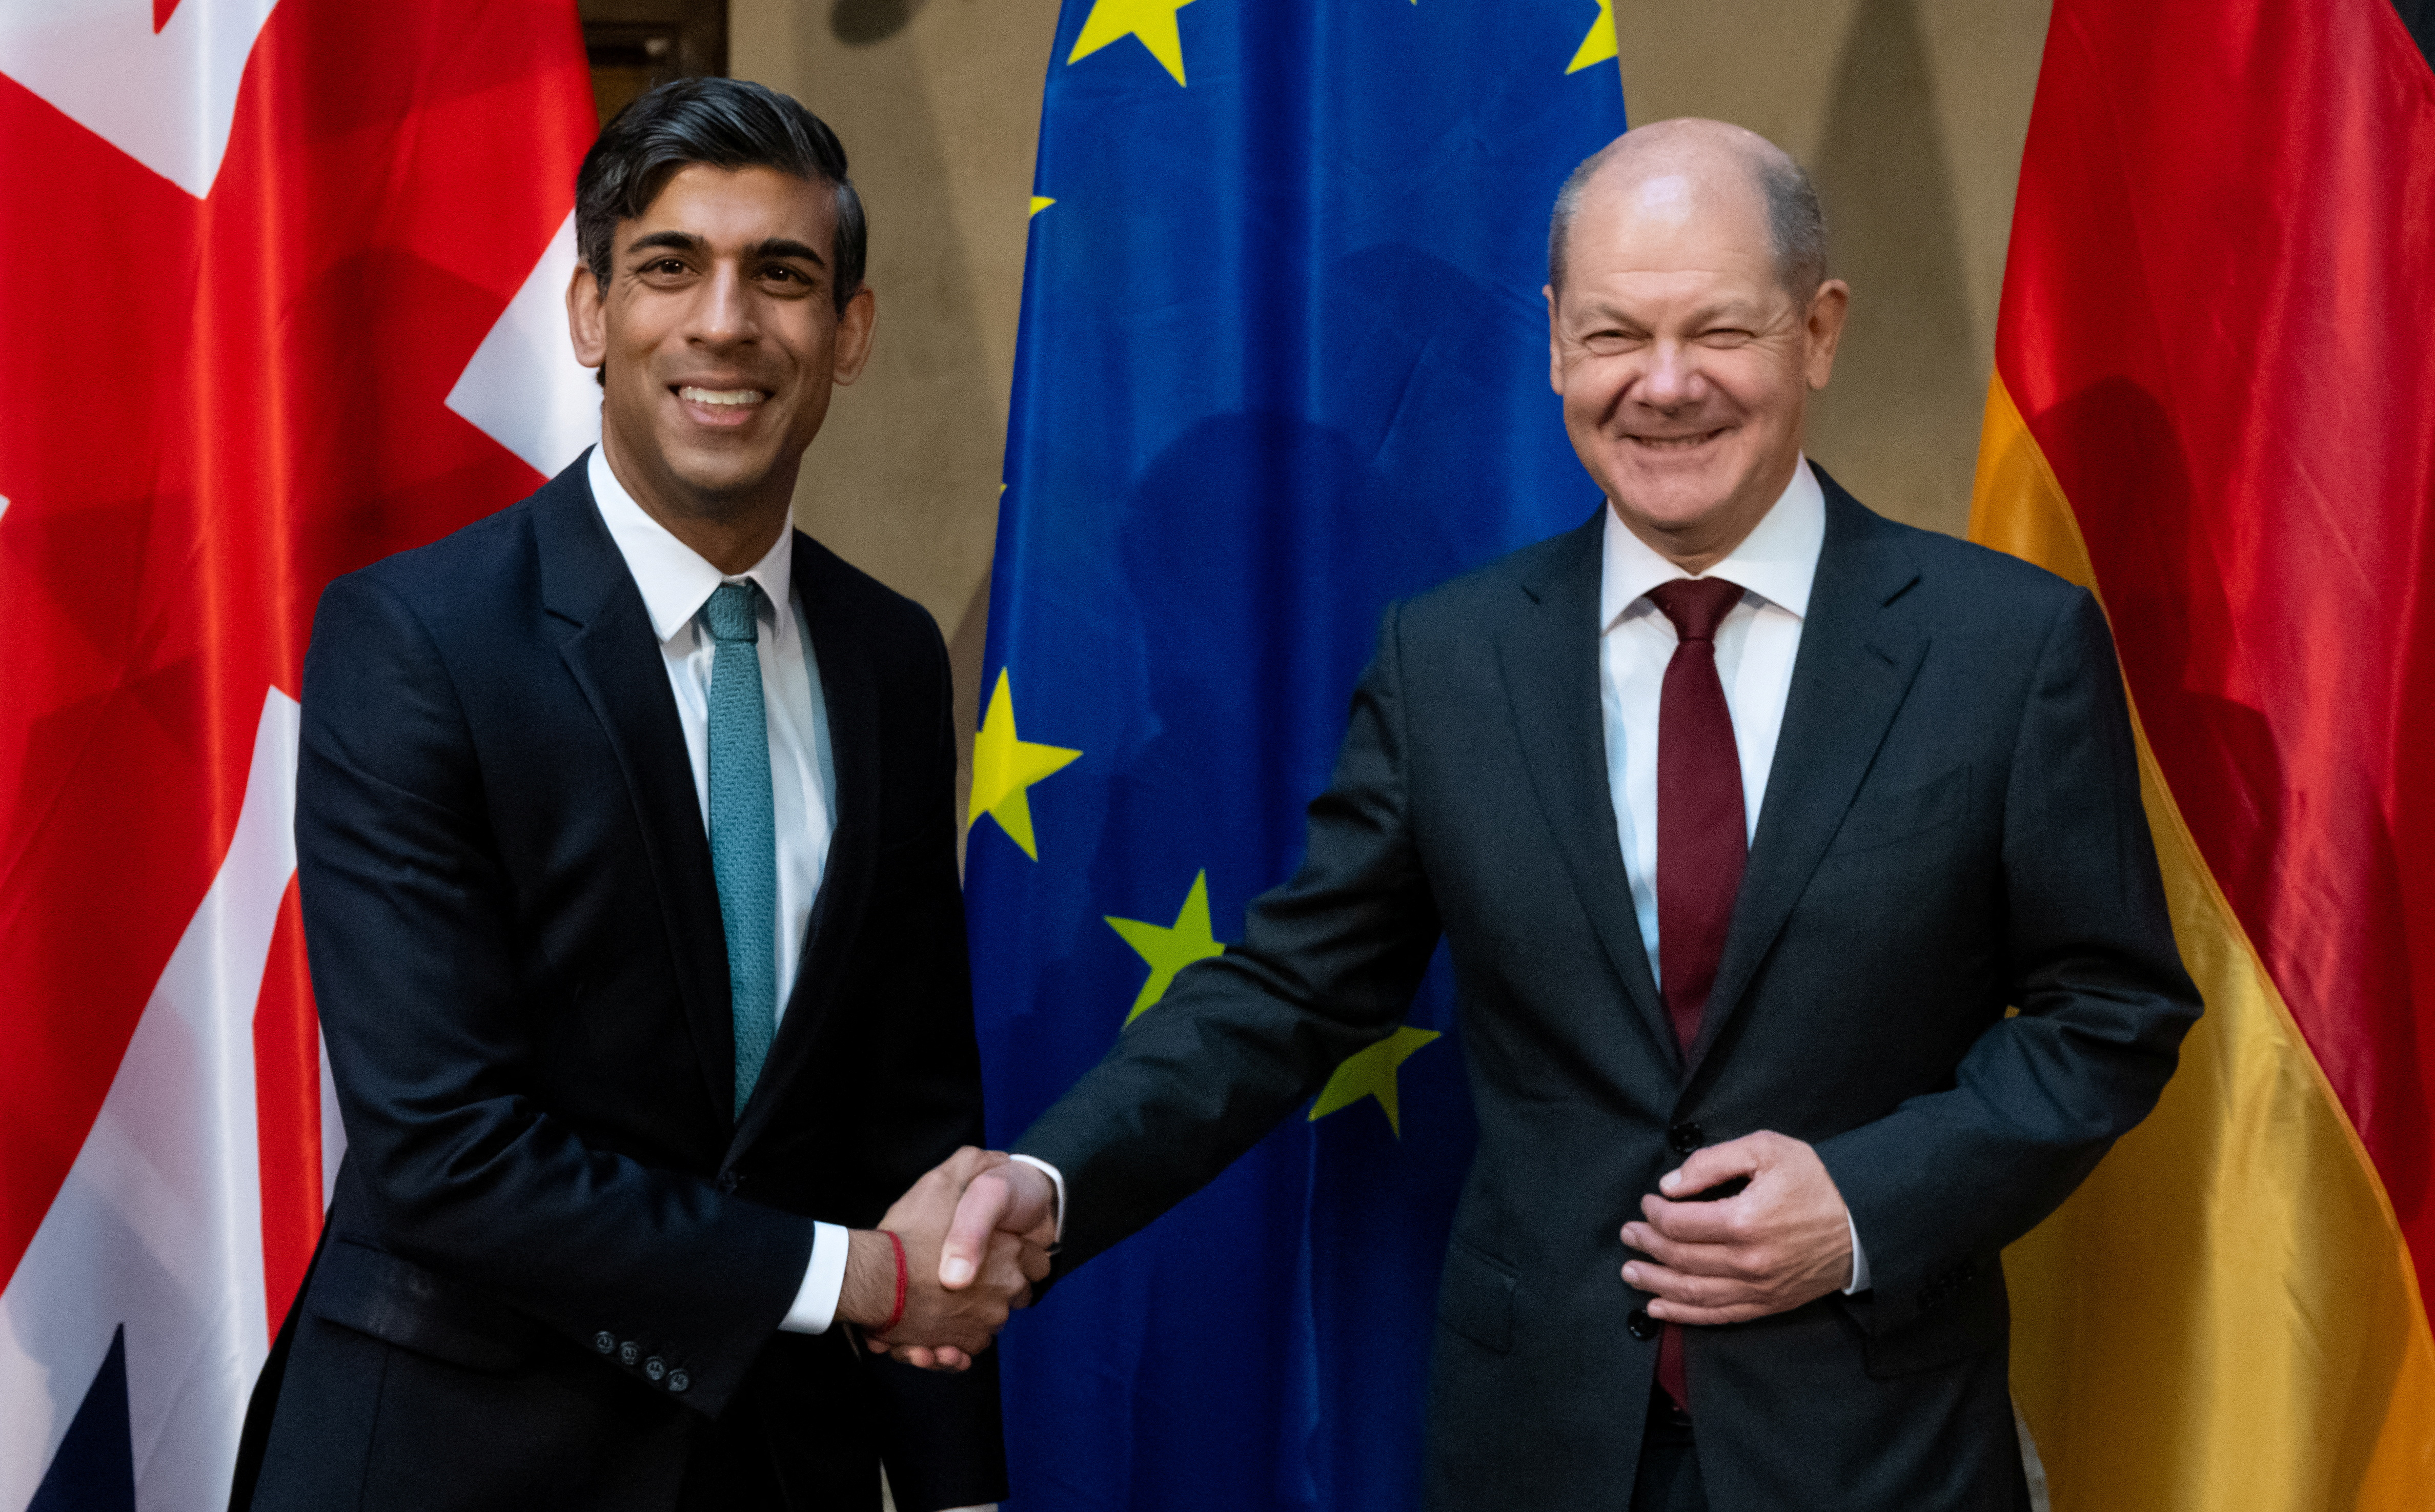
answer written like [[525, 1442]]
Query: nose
[[723, 313], [1672, 378]]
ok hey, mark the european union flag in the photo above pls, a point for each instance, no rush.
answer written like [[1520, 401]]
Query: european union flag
[[1283, 359]]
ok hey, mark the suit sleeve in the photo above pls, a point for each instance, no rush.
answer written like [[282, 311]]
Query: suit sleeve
[[1948, 1178], [407, 915], [1327, 965]]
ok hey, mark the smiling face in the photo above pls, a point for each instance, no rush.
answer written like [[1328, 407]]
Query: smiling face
[[720, 339], [1684, 364]]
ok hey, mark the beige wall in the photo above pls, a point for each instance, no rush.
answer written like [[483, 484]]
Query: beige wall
[[1909, 113], [938, 102]]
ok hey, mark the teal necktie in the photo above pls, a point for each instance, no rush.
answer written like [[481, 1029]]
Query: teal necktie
[[743, 827]]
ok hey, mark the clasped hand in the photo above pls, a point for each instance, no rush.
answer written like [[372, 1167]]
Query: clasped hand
[[1782, 1241], [976, 1238], [978, 1229]]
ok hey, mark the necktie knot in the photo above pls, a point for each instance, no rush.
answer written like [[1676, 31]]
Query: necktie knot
[[1695, 605], [730, 612]]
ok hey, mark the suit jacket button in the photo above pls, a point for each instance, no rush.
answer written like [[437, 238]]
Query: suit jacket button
[[679, 1380], [1640, 1325], [655, 1367], [1685, 1137], [605, 1342], [629, 1352]]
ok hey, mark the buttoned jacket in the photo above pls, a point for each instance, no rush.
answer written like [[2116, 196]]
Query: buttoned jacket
[[557, 1258], [1951, 832]]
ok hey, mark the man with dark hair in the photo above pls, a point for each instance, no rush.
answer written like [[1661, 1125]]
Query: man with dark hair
[[1746, 816], [718, 124], [627, 842]]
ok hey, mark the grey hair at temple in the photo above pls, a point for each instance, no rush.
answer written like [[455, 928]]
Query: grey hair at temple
[[1796, 224]]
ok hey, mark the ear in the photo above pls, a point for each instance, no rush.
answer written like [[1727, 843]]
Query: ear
[[854, 336], [1555, 347], [1827, 308], [587, 318]]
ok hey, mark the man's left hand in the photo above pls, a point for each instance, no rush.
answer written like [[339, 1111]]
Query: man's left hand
[[1782, 1241]]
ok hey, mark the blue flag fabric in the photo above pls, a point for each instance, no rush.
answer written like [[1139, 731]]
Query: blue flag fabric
[[1283, 359]]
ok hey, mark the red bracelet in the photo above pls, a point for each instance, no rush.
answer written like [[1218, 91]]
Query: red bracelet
[[896, 1314]]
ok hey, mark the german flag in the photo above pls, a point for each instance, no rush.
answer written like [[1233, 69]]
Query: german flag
[[2214, 403]]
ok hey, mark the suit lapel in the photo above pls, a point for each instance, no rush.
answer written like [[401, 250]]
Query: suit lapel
[[852, 701], [605, 637], [1859, 655], [1549, 659]]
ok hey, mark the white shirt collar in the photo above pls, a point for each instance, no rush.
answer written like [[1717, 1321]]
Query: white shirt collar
[[1777, 560], [676, 579]]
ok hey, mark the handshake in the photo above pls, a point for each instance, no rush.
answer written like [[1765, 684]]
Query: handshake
[[934, 1282]]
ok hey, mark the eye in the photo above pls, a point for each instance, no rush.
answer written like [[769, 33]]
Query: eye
[[786, 280]]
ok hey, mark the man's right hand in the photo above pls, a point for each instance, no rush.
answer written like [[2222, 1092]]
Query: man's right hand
[[942, 1327], [1002, 1200]]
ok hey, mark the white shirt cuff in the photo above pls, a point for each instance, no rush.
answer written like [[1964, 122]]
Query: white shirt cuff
[[1859, 1259], [1057, 1179], [816, 1300]]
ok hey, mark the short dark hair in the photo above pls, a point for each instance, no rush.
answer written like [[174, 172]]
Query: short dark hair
[[726, 123]]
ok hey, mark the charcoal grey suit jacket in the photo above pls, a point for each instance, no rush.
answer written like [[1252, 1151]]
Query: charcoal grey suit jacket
[[1952, 829]]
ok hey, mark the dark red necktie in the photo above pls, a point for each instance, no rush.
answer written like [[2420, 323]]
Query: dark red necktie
[[1703, 840]]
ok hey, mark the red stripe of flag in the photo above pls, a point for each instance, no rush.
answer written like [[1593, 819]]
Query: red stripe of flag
[[287, 1093], [2238, 395], [207, 409]]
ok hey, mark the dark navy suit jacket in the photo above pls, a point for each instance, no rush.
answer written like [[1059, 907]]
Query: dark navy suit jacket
[[556, 1261], [1952, 828]]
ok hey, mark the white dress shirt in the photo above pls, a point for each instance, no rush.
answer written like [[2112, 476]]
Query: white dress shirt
[[676, 581], [1756, 645]]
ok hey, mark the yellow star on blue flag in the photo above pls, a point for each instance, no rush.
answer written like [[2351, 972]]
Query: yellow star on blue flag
[[1005, 767], [1598, 46], [1151, 22], [1201, 536], [1170, 948], [1372, 1073]]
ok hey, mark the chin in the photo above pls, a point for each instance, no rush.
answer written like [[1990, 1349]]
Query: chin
[[720, 474], [1675, 500], [714, 460]]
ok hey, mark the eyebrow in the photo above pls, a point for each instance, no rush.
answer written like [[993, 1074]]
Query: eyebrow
[[785, 247], [1729, 309], [673, 240], [768, 246]]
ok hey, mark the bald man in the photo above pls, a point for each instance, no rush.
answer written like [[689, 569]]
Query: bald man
[[1808, 937]]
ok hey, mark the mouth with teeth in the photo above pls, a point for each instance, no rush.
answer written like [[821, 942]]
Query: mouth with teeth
[[721, 406], [1677, 443]]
